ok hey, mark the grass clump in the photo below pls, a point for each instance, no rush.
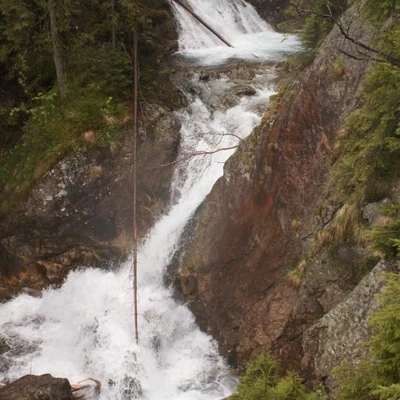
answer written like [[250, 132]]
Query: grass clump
[[385, 234]]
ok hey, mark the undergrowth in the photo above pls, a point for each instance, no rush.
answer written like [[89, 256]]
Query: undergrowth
[[377, 376], [56, 127], [266, 380]]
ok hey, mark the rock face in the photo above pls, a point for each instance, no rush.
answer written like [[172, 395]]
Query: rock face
[[271, 10], [80, 213], [31, 387], [257, 221], [340, 333]]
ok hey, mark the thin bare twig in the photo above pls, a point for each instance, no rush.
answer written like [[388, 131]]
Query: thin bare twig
[[196, 154], [345, 31], [135, 230]]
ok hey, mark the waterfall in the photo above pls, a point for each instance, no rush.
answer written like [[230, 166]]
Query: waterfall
[[85, 328], [231, 19], [236, 21]]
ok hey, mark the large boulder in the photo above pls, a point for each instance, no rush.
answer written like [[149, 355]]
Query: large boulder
[[340, 333], [32, 387]]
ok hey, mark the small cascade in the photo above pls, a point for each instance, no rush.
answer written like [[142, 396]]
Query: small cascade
[[86, 328], [236, 21], [231, 19]]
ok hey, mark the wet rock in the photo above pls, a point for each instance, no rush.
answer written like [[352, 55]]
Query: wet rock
[[371, 210], [80, 213], [31, 292], [243, 90], [131, 389], [240, 72], [40, 260], [273, 11], [32, 387], [4, 347], [5, 292], [340, 333], [204, 76]]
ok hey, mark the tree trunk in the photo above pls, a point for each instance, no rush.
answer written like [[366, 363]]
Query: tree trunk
[[204, 23], [113, 24], [57, 48]]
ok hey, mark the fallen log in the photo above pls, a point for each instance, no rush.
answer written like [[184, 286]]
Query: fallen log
[[204, 23], [81, 390]]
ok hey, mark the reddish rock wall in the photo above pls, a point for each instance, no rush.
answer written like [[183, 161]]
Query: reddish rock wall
[[253, 227]]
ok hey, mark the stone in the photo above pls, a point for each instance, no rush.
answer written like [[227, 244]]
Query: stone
[[371, 210], [32, 387], [340, 333], [244, 90]]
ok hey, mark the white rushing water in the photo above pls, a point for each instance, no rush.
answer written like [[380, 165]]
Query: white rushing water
[[85, 328], [237, 22]]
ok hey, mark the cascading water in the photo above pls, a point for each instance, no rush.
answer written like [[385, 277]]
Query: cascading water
[[236, 21], [85, 328]]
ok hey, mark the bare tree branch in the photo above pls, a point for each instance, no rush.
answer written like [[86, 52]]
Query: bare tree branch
[[364, 58], [345, 31], [196, 154]]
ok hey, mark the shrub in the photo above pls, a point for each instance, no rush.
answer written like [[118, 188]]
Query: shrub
[[377, 377], [265, 380], [320, 20]]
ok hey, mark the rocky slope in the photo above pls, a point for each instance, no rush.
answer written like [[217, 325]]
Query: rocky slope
[[80, 212], [259, 223]]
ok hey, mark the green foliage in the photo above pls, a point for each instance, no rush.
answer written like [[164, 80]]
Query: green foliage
[[385, 344], [378, 11], [320, 20], [353, 382], [367, 153], [264, 380], [261, 375], [391, 392], [377, 377], [107, 69], [289, 387], [370, 137], [56, 127], [370, 140], [37, 126]]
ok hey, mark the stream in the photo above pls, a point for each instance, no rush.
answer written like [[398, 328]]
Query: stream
[[86, 328]]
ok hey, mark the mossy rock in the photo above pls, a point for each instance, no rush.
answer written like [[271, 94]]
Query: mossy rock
[[158, 16]]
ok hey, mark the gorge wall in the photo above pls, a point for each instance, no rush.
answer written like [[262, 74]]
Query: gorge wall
[[260, 222]]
